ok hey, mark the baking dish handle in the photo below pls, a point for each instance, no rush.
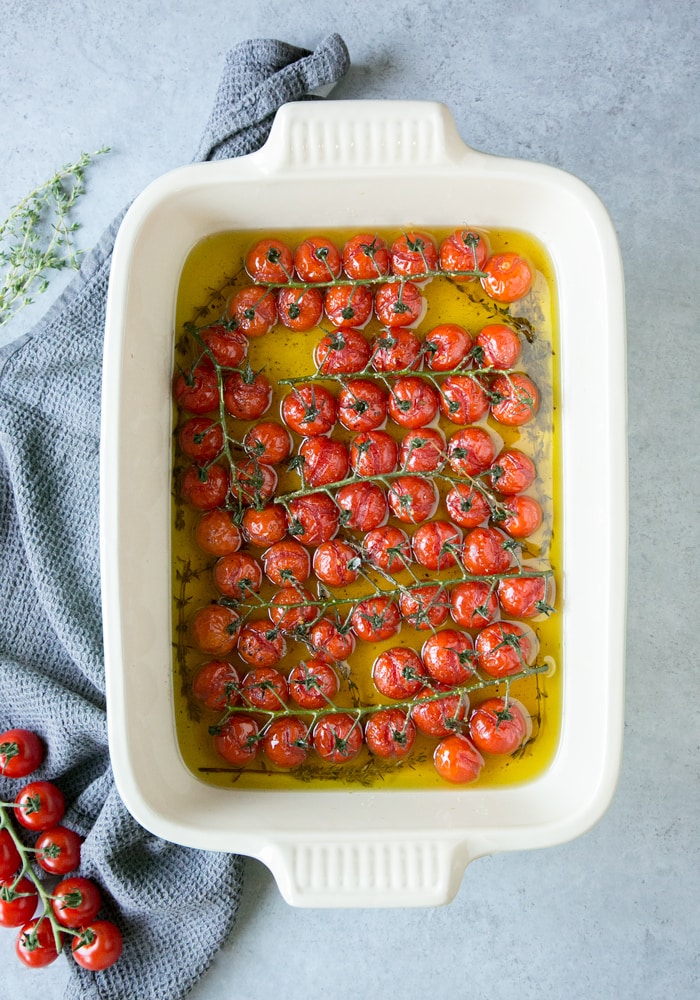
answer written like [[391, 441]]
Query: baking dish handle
[[372, 136], [377, 872]]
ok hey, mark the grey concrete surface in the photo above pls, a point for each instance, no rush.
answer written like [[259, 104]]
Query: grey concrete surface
[[608, 91]]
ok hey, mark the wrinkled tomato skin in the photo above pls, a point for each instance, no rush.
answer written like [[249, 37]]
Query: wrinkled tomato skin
[[524, 516], [102, 950], [435, 545], [329, 642], [309, 410], [237, 740], [413, 254], [266, 271], [375, 619], [348, 307], [58, 850], [201, 439], [42, 952], [457, 760], [204, 490], [395, 351], [17, 911], [259, 646], [255, 483], [313, 683], [519, 596], [229, 347], [520, 402], [508, 277], [344, 352], [215, 629], [469, 596], [512, 472], [470, 451], [317, 259], [422, 450], [198, 390], [496, 657], [446, 346], [413, 402], [326, 460], [337, 738], [314, 518], [217, 534], [335, 563], [379, 541], [21, 752], [463, 400], [247, 399], [390, 733], [291, 609], [215, 685], [456, 254], [466, 506], [362, 405], [448, 656], [500, 346], [298, 309], [483, 552], [286, 742], [412, 499], [439, 716], [398, 673], [254, 310], [39, 805], [286, 561], [424, 607], [364, 506], [398, 304], [266, 526], [237, 575], [265, 688], [268, 442], [373, 453], [365, 256], [495, 729]]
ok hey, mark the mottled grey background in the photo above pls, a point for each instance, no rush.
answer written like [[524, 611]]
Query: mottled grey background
[[608, 91]]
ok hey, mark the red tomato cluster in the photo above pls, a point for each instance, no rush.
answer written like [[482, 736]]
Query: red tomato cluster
[[74, 902], [370, 432]]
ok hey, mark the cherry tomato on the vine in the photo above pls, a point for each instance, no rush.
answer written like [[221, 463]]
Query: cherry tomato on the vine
[[21, 752], [39, 805], [365, 256], [215, 629], [313, 683], [97, 946], [300, 309], [270, 262], [398, 673], [337, 738], [260, 645], [268, 442], [436, 544], [309, 409], [457, 760], [375, 619], [485, 551], [413, 402], [499, 727], [474, 604], [291, 609], [516, 399], [362, 405], [254, 483], [467, 505], [75, 901], [413, 254], [36, 945], [197, 390], [247, 396], [439, 716], [388, 548], [464, 250], [237, 575], [265, 526], [505, 648], [237, 739], [470, 450], [523, 516], [265, 688], [525, 596], [412, 499], [9, 855], [343, 352], [463, 399], [499, 346], [512, 472], [390, 732], [201, 439], [446, 346], [373, 453], [217, 534], [229, 347], [395, 351], [287, 561], [18, 901], [205, 488], [317, 259], [398, 303], [313, 518], [424, 607], [254, 310], [331, 640], [326, 460], [348, 306], [336, 563], [363, 506], [508, 277], [449, 656], [215, 685], [286, 742], [422, 450]]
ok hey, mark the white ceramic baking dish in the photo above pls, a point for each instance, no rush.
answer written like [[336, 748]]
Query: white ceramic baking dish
[[369, 164]]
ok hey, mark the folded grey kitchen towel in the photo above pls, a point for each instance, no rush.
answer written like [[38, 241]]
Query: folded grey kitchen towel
[[175, 906]]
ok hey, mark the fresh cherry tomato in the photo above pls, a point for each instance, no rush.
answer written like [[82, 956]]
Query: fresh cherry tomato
[[229, 347], [470, 450], [446, 346], [197, 390], [516, 399], [508, 277], [201, 439], [317, 259], [237, 575], [247, 396], [309, 409], [388, 548], [18, 901], [300, 309], [422, 450], [291, 609], [466, 505], [286, 742], [485, 552], [413, 402], [36, 945], [474, 604], [75, 901], [439, 716], [365, 256], [39, 805], [260, 645], [499, 346], [498, 727], [463, 399], [265, 688], [254, 483], [398, 673], [313, 683], [505, 648], [425, 607], [363, 506], [463, 250], [266, 526], [412, 499], [58, 850], [362, 405], [98, 946], [524, 516], [313, 518], [21, 752], [390, 732], [457, 760], [254, 310], [217, 534], [9, 855], [336, 563], [398, 303], [396, 350], [373, 453], [348, 306], [215, 685], [524, 596], [270, 262], [204, 488], [448, 656], [287, 561], [331, 640], [343, 352], [413, 254], [268, 442], [337, 738], [512, 472], [326, 460], [215, 629], [237, 739], [376, 619], [436, 544]]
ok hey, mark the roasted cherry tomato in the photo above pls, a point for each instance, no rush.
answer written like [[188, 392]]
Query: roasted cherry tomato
[[39, 805], [525, 596], [254, 310], [365, 256], [343, 352], [287, 561], [505, 648], [422, 450], [286, 742], [398, 673], [229, 347], [270, 262], [446, 346], [265, 688], [362, 405], [499, 346], [268, 442], [413, 254], [331, 640], [317, 259], [260, 645], [18, 901], [464, 250], [485, 551], [375, 619], [36, 945], [424, 607], [58, 850], [524, 516], [390, 732], [75, 901], [9, 856], [97, 946], [498, 726], [21, 752], [205, 488], [336, 563], [508, 277], [463, 399], [388, 548], [247, 397], [515, 399], [436, 544], [291, 609], [466, 505], [201, 439], [237, 740], [348, 306], [337, 738], [470, 450], [300, 309], [313, 518], [439, 716], [197, 390], [396, 350], [216, 685], [474, 604], [373, 453], [457, 760], [412, 499], [265, 526], [215, 629], [413, 402], [309, 409], [217, 534], [326, 460], [448, 656], [313, 683], [237, 575], [399, 303], [363, 506], [254, 483], [512, 472]]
